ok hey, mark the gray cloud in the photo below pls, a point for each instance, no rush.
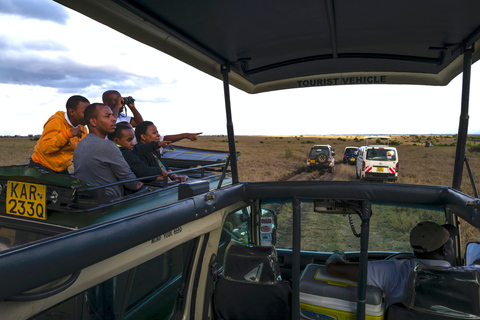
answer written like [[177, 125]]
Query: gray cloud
[[69, 76], [8, 44], [45, 62], [38, 9]]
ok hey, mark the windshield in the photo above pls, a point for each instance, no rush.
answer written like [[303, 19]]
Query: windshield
[[381, 154], [350, 150], [390, 227]]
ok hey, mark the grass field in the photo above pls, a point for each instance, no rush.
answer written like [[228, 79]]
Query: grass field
[[282, 158], [268, 158]]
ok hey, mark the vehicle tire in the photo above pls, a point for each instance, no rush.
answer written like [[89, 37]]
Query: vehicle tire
[[356, 174], [331, 169], [322, 158]]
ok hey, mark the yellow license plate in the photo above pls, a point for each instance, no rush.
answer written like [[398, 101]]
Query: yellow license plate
[[352, 159], [26, 199], [379, 169]]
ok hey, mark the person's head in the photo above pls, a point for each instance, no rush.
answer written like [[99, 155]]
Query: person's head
[[99, 119], [123, 135], [109, 98], [433, 241], [146, 132], [76, 106]]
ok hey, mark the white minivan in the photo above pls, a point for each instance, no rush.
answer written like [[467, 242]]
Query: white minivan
[[377, 163]]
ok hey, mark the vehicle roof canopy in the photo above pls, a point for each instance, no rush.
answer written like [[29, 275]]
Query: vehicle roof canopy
[[273, 45]]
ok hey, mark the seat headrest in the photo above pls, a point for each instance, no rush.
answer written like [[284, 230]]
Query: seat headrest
[[253, 264]]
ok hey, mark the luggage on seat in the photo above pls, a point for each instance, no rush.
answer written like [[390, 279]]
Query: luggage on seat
[[323, 296]]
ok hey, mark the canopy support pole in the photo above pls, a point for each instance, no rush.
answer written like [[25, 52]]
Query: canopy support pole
[[296, 245], [363, 263], [463, 125], [231, 135]]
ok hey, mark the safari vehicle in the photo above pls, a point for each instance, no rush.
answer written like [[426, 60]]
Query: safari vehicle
[[377, 163], [172, 260], [321, 157], [376, 160], [350, 155]]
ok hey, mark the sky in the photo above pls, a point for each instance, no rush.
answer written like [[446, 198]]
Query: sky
[[49, 53]]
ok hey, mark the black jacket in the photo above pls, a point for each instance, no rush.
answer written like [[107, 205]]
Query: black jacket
[[137, 163]]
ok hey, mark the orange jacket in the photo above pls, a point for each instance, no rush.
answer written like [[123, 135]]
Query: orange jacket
[[55, 147]]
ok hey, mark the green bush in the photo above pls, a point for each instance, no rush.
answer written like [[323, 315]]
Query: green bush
[[288, 153], [475, 148]]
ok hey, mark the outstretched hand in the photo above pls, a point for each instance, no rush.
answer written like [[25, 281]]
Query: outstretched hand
[[193, 136], [163, 144]]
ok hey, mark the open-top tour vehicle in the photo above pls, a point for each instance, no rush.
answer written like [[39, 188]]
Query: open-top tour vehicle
[[204, 249]]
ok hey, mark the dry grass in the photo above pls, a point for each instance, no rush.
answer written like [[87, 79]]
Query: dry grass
[[15, 150], [281, 158], [284, 158]]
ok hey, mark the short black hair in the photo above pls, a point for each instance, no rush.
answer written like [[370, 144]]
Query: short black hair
[[91, 112], [107, 94], [120, 126], [73, 101], [141, 128]]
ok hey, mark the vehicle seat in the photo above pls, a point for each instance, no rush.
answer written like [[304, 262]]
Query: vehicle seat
[[250, 286], [439, 293]]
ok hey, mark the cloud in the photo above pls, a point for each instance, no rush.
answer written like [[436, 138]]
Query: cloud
[[67, 75], [13, 45], [37, 9]]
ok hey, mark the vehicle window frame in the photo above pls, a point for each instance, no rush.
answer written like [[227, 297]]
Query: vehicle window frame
[[437, 213], [79, 309], [222, 246]]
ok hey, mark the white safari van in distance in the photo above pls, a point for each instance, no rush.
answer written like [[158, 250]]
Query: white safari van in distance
[[377, 160]]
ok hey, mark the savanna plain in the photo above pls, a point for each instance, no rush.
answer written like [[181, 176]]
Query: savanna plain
[[283, 158]]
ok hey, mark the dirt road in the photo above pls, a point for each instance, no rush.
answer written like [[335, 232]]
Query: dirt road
[[342, 172]]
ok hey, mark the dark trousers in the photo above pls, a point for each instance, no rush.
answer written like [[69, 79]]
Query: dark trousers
[[33, 164]]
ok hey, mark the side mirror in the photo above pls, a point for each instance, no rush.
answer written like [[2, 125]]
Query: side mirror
[[472, 253]]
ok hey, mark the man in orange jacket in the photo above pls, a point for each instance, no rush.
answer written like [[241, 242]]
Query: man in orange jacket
[[61, 134]]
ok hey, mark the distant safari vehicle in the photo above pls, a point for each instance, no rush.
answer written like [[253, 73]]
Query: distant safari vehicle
[[376, 160], [350, 155], [321, 157], [377, 163]]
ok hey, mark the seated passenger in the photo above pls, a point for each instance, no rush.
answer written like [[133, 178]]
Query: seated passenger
[[147, 133], [61, 134], [123, 137], [97, 160], [432, 245]]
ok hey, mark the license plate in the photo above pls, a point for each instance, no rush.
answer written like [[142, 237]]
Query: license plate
[[352, 159], [26, 199], [379, 169]]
